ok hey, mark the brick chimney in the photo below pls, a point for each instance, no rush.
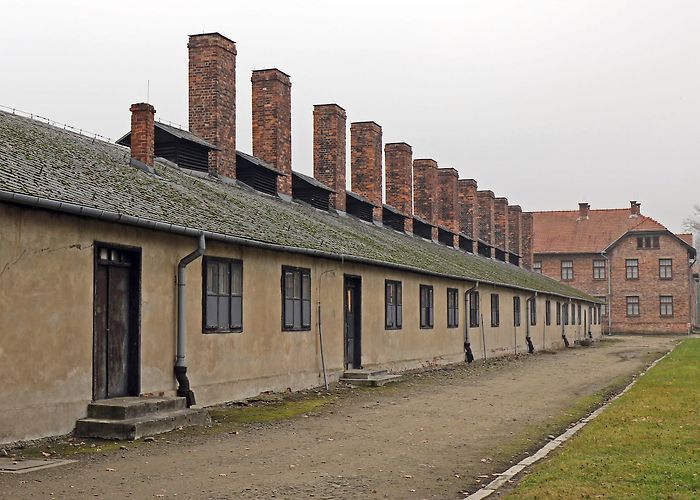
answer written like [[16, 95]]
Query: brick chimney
[[212, 98], [366, 163], [485, 216], [467, 207], [527, 235], [583, 209], [425, 189], [635, 208], [398, 158], [448, 199], [329, 150], [142, 132], [272, 123], [515, 215], [500, 227]]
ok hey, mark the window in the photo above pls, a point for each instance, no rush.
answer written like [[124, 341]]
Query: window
[[296, 306], [632, 269], [579, 314], [537, 266], [392, 301], [426, 306], [533, 312], [547, 313], [603, 305], [495, 313], [474, 309], [647, 242], [567, 270], [516, 311], [452, 308], [666, 305], [666, 269], [558, 313], [565, 313], [633, 305], [598, 269], [573, 314], [223, 297]]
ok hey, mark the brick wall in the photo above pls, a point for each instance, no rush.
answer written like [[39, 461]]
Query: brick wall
[[142, 132], [366, 162], [500, 226], [448, 199], [526, 240], [399, 176], [329, 150], [485, 215], [212, 98], [425, 189], [515, 215], [272, 123], [467, 207]]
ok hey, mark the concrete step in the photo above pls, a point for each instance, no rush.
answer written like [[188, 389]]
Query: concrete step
[[376, 381], [136, 428], [363, 374], [134, 407]]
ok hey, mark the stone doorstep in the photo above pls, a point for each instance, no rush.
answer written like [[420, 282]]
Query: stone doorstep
[[12, 466], [134, 407], [136, 428], [363, 374], [371, 381]]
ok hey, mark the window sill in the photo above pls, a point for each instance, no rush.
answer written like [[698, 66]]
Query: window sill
[[452, 327], [215, 332], [305, 329], [426, 327], [392, 328]]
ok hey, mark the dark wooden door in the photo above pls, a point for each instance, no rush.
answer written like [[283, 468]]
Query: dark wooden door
[[116, 343], [352, 336]]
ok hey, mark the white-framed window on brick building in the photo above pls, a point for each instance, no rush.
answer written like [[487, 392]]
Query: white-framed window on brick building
[[647, 242], [567, 270], [632, 269], [632, 305], [598, 269], [666, 269], [537, 266], [223, 297], [666, 305]]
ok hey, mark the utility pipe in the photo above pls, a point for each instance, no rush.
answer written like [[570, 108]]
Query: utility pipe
[[690, 296], [183, 389], [608, 301], [528, 305], [467, 343], [320, 328]]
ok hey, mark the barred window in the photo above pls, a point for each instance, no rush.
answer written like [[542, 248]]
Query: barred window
[[632, 269], [567, 270], [633, 305], [666, 305], [666, 269], [598, 269]]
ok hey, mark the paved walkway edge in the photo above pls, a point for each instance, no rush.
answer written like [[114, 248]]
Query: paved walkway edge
[[516, 469]]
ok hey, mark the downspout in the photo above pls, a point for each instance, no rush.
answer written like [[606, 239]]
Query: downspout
[[530, 301], [183, 389], [609, 298], [330, 272], [467, 343], [691, 284]]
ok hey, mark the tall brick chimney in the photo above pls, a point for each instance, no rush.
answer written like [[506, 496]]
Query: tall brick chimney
[[635, 208], [583, 209], [425, 189], [212, 98], [500, 227], [467, 207], [366, 163], [142, 132], [329, 150], [515, 215], [272, 123], [448, 199], [527, 234], [398, 158], [485, 215]]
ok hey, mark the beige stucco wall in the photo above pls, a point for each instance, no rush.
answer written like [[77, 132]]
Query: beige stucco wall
[[46, 331]]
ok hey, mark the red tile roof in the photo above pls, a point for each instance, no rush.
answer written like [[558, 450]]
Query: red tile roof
[[563, 232], [687, 237]]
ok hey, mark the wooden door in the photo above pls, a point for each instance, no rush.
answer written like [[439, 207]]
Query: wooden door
[[116, 342], [352, 323]]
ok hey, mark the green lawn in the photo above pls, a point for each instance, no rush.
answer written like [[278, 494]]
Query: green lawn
[[645, 445]]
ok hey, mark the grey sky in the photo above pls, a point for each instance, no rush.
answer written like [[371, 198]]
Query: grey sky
[[545, 102]]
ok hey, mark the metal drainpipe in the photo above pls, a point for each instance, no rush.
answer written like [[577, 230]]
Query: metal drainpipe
[[532, 300], [467, 343], [183, 389], [609, 298], [690, 297]]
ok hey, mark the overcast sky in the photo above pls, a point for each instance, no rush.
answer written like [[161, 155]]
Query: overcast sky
[[548, 103]]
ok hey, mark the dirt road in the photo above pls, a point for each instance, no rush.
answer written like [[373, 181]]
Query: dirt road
[[430, 436]]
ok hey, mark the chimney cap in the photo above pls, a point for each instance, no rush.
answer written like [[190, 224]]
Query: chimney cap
[[501, 199], [142, 106], [329, 105], [515, 208], [367, 123], [213, 33], [398, 145], [448, 171], [486, 192], [470, 182], [583, 204]]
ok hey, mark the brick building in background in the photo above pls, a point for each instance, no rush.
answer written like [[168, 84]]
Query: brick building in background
[[642, 270]]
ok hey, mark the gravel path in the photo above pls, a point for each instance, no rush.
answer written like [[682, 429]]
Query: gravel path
[[430, 436]]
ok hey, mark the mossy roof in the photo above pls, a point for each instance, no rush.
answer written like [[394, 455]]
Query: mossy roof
[[40, 160]]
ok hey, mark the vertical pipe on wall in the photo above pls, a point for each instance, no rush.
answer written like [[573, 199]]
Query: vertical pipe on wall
[[609, 297]]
